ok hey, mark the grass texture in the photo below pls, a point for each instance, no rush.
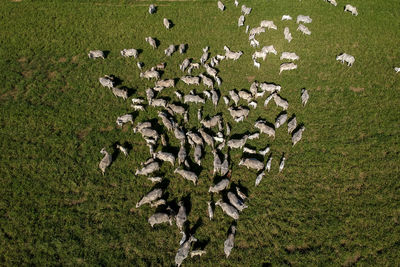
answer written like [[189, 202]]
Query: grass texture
[[335, 203]]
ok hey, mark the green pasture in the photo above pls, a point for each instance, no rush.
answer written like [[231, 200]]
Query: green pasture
[[337, 202]]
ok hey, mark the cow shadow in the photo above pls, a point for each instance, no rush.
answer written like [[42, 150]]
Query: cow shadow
[[298, 127], [106, 53], [130, 91]]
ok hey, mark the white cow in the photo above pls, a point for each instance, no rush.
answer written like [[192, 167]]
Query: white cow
[[241, 21], [349, 59], [351, 9], [304, 29], [246, 10], [167, 23], [289, 56], [96, 54], [259, 54], [287, 66], [269, 49], [332, 2], [269, 24], [257, 30], [287, 34], [256, 64], [303, 19], [152, 9], [286, 17], [129, 53], [221, 6], [232, 55]]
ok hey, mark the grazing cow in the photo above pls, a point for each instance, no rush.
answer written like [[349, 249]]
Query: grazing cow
[[150, 197], [351, 9], [150, 74], [282, 164], [232, 55], [129, 53], [269, 49], [152, 9], [96, 54], [304, 96], [292, 124], [221, 6], [107, 81], [170, 50], [246, 10], [287, 34], [152, 42], [120, 93], [286, 17], [303, 19], [349, 59], [289, 56], [252, 163], [183, 251], [189, 80], [106, 160], [287, 66], [304, 29], [229, 242], [228, 209], [158, 218], [167, 23], [296, 137], [241, 21], [269, 24]]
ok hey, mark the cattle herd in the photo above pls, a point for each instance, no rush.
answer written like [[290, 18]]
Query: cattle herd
[[215, 130]]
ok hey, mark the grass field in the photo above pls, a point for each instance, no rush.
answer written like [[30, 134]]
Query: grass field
[[337, 202]]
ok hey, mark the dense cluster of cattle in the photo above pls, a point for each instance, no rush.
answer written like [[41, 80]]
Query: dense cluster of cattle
[[215, 130]]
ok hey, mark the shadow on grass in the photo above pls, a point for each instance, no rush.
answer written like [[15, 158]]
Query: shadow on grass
[[269, 124], [130, 91], [186, 201], [299, 126], [106, 53], [192, 231], [242, 188], [201, 244]]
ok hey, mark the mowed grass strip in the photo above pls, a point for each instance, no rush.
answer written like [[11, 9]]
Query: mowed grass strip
[[335, 203]]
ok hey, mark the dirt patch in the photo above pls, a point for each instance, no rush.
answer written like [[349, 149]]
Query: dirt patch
[[323, 76], [62, 59], [318, 88], [300, 248], [250, 78], [65, 88], [76, 202], [356, 89], [52, 75], [82, 134], [74, 59], [291, 248], [16, 0], [107, 129], [11, 93], [352, 260], [27, 73], [125, 128], [22, 60]]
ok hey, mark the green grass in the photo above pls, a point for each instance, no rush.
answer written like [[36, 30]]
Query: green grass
[[336, 202]]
